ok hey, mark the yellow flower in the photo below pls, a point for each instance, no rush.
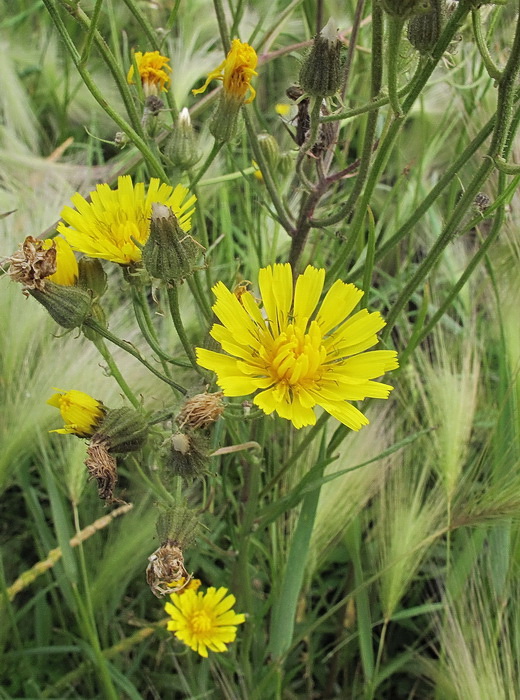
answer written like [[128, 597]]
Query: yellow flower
[[107, 226], [283, 109], [204, 620], [66, 264], [298, 356], [81, 413], [152, 68], [236, 71]]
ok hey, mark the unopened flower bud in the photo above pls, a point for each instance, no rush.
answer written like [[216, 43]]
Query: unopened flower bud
[[169, 254], [425, 29], [182, 147], [286, 164], [270, 149], [122, 430], [185, 454], [404, 9], [121, 139], [320, 74], [68, 306], [92, 276]]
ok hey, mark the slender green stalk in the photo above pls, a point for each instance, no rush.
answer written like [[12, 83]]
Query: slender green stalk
[[222, 25], [173, 301], [395, 29], [209, 160], [131, 350], [91, 31], [492, 69], [114, 371]]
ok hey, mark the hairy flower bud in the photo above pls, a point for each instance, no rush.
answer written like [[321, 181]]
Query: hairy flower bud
[[320, 74], [68, 306], [425, 29], [169, 253], [404, 9], [122, 430], [185, 454], [182, 147]]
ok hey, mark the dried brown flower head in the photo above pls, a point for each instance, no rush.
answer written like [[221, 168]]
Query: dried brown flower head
[[33, 263], [166, 569], [102, 467], [201, 410]]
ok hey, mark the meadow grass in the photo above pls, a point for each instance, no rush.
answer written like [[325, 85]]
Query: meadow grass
[[370, 564]]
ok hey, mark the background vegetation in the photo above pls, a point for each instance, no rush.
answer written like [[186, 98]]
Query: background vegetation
[[407, 586]]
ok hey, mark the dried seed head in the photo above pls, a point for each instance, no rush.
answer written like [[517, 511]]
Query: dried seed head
[[201, 411], [481, 202], [33, 263], [102, 467], [166, 567]]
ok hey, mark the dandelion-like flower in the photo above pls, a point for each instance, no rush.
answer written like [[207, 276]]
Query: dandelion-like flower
[[112, 224], [66, 264], [153, 70], [81, 413], [235, 71], [297, 354], [204, 621]]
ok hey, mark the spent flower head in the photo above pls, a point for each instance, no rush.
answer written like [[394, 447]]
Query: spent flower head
[[204, 621], [297, 354], [116, 222], [153, 70], [81, 413]]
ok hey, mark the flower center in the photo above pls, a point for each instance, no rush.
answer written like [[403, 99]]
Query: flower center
[[297, 356], [201, 622]]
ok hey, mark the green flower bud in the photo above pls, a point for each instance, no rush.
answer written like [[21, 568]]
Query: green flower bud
[[185, 454], [169, 254], [92, 276], [122, 430], [68, 306], [270, 149], [182, 147], [425, 29], [286, 164], [320, 74], [404, 9]]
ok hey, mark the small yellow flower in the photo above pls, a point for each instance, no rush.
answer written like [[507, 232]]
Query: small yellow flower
[[81, 413], [204, 620], [66, 264], [152, 68], [294, 354], [113, 221], [283, 109], [236, 71]]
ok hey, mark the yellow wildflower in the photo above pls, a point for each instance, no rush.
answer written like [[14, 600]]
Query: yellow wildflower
[[283, 109], [298, 356], [152, 67], [81, 413], [204, 620], [236, 71], [107, 226], [66, 264]]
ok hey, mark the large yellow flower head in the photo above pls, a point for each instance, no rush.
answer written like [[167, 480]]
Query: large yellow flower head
[[236, 71], [66, 264], [107, 226], [297, 354], [152, 67], [81, 413], [204, 620]]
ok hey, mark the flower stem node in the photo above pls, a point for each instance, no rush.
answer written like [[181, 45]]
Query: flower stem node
[[425, 29], [122, 430], [169, 254], [68, 306], [320, 74], [405, 9], [182, 146]]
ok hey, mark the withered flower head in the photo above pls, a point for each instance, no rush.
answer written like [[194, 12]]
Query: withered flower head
[[102, 467], [185, 454], [33, 263], [166, 567], [201, 410]]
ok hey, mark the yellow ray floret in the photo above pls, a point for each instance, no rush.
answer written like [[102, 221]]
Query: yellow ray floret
[[66, 264], [298, 353], [153, 70], [110, 225], [81, 413], [235, 71], [204, 621]]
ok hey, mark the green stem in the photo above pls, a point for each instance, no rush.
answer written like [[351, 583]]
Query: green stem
[[114, 371], [173, 301], [91, 31], [222, 26], [209, 160], [492, 69], [395, 28], [131, 350]]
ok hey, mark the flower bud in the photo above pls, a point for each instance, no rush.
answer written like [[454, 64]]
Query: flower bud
[[92, 276], [185, 454], [68, 306], [425, 29], [182, 147], [286, 164], [320, 74], [270, 149], [404, 9], [169, 253], [122, 430]]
